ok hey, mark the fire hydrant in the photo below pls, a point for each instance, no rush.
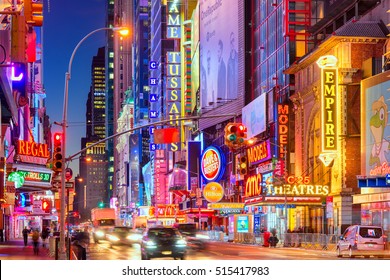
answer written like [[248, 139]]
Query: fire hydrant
[[267, 235]]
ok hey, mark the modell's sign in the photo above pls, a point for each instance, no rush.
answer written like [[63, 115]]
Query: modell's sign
[[32, 152]]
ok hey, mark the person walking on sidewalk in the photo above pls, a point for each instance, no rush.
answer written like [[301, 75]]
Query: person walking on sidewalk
[[44, 235], [35, 238], [25, 235]]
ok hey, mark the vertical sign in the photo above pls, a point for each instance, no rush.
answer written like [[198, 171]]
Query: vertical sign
[[329, 85], [173, 82]]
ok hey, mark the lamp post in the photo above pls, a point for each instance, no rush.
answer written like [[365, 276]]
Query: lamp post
[[62, 248]]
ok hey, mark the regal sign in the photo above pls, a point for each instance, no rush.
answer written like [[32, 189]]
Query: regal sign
[[32, 152]]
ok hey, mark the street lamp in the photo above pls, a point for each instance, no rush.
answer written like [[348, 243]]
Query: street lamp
[[123, 31]]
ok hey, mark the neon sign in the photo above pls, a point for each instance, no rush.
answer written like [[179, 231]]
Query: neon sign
[[212, 164], [259, 153], [283, 129], [33, 149], [329, 85]]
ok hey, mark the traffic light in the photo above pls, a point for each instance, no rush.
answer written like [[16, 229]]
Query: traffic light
[[18, 78], [33, 12], [243, 165], [18, 38], [241, 134], [230, 135], [57, 152], [46, 205], [101, 204]]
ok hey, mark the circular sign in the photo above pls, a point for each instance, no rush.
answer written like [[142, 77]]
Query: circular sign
[[211, 164], [213, 192], [68, 174]]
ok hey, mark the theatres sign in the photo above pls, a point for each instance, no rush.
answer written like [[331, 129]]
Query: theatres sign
[[254, 186], [32, 152]]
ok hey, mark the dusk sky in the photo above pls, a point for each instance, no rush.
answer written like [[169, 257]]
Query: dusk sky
[[65, 24]]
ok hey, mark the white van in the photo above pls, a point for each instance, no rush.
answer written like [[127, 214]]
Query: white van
[[359, 240]]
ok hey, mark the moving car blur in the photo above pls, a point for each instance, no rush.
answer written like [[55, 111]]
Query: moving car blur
[[195, 238], [161, 242], [124, 236]]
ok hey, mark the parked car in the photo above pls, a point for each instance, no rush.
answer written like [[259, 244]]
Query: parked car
[[124, 236], [359, 240], [160, 242]]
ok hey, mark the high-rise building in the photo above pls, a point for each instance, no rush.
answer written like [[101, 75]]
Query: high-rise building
[[110, 94], [141, 89], [93, 187]]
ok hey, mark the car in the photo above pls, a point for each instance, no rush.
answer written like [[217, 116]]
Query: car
[[161, 242], [195, 239], [361, 240], [124, 236]]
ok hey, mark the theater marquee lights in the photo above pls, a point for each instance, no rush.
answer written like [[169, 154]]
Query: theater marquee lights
[[329, 85]]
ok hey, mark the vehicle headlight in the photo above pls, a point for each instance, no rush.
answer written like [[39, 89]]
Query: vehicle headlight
[[113, 238], [181, 243], [99, 233], [151, 244], [133, 237], [202, 236]]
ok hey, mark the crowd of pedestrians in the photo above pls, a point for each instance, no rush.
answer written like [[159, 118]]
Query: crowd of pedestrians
[[35, 237]]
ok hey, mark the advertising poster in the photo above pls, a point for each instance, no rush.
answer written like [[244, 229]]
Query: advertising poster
[[375, 125], [242, 224], [219, 64], [253, 116]]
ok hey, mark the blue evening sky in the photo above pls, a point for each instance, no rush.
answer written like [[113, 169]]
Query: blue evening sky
[[65, 24]]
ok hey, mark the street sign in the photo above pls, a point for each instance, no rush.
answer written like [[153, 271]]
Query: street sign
[[68, 174]]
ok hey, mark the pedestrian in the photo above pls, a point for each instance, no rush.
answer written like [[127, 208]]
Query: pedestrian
[[25, 235], [35, 238], [44, 235]]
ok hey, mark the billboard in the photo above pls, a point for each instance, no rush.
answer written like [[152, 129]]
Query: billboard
[[375, 138], [219, 45], [253, 116]]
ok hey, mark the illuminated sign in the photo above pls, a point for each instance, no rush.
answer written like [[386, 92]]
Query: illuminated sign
[[300, 190], [329, 85], [253, 185], [32, 152], [212, 164], [173, 22], [225, 206], [259, 153], [213, 192], [35, 176], [160, 169], [299, 186], [165, 211], [173, 91], [283, 129]]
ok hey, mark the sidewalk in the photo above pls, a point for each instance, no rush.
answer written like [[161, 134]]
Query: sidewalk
[[15, 250]]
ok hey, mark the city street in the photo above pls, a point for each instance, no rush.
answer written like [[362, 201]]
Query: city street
[[15, 250]]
